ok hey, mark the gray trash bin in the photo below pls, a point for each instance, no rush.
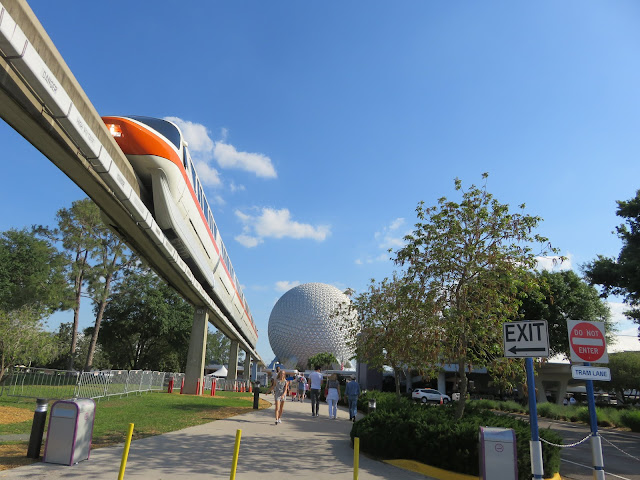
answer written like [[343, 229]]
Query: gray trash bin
[[498, 454], [70, 431]]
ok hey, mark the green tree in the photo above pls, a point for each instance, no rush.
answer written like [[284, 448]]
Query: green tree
[[217, 347], [563, 296], [625, 373], [146, 325], [469, 260], [63, 338], [75, 231], [24, 339], [323, 360], [31, 274], [390, 330], [621, 276], [110, 255]]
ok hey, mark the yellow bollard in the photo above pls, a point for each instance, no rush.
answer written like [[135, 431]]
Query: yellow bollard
[[235, 455], [125, 453], [356, 456]]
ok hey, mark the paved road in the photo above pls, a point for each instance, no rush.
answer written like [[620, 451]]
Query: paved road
[[576, 461], [302, 447]]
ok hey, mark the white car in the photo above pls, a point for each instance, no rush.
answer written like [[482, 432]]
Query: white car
[[429, 395]]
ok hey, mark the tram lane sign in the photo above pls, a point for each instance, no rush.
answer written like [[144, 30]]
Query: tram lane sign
[[528, 338], [587, 341]]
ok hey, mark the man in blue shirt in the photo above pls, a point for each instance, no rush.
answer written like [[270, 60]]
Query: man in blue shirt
[[315, 385], [351, 393]]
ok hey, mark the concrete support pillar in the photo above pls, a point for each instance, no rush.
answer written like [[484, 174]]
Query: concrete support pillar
[[562, 390], [442, 384], [232, 370], [541, 394], [246, 376], [197, 351]]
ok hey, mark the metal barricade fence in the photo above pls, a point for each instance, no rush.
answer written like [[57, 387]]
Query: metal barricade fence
[[61, 384], [40, 383]]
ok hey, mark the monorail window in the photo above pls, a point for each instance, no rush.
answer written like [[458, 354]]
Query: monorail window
[[193, 175], [167, 129], [185, 159]]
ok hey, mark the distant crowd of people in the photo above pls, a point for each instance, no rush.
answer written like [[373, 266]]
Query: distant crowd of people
[[300, 387]]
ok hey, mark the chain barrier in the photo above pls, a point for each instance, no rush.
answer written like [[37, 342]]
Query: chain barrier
[[566, 446], [619, 449]]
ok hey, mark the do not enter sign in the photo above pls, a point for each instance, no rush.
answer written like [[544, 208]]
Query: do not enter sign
[[587, 341]]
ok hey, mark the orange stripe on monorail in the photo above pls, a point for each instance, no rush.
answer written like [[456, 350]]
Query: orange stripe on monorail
[[138, 139]]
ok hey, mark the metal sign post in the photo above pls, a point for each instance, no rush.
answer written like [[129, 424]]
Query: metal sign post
[[587, 343], [527, 339], [535, 447]]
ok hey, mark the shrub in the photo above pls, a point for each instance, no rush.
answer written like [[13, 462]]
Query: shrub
[[631, 419], [434, 437]]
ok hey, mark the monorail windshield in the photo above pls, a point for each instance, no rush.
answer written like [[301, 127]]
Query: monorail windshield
[[167, 129]]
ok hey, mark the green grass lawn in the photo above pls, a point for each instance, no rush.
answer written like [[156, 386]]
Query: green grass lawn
[[151, 413]]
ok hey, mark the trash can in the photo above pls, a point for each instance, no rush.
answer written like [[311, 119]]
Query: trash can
[[70, 431], [498, 454]]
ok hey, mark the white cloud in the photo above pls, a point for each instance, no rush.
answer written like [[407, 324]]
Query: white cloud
[[389, 237], [285, 285], [236, 188], [207, 174], [197, 135], [248, 241], [273, 223], [228, 157], [553, 263]]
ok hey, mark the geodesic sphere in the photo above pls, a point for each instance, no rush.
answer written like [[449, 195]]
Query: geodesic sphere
[[303, 323]]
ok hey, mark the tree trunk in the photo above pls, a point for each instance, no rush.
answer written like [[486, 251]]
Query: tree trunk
[[463, 389], [76, 309], [96, 327], [397, 372]]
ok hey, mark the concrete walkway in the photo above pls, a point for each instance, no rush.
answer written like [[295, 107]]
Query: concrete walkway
[[301, 447]]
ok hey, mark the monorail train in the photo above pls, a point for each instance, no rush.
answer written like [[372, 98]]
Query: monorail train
[[160, 157]]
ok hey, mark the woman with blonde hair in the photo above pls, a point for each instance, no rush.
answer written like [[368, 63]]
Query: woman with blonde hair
[[333, 394], [280, 389]]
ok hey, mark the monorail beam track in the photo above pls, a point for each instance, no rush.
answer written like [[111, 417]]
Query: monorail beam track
[[23, 109]]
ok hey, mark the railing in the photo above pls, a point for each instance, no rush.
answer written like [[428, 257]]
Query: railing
[[61, 384]]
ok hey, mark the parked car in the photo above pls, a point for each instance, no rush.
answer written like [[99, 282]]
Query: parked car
[[429, 395]]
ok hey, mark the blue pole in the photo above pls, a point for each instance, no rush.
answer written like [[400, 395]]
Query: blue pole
[[533, 407], [535, 446], [596, 445], [591, 401]]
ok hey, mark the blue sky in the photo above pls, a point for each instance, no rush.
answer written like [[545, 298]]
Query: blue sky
[[321, 125]]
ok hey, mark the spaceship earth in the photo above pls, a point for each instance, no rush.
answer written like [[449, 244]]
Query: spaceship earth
[[301, 325]]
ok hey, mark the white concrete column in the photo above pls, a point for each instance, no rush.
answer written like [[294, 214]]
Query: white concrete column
[[442, 384], [246, 376], [541, 397], [232, 370], [562, 390], [197, 351]]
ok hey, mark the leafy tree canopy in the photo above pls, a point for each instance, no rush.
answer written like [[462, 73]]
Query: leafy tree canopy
[[31, 274], [146, 325], [625, 373], [563, 296], [323, 360], [621, 276], [24, 340], [217, 347], [469, 260]]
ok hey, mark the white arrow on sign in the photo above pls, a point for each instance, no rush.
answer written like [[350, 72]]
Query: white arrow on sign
[[528, 338]]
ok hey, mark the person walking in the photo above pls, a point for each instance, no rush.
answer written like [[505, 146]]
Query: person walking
[[351, 394], [302, 384], [315, 385], [280, 389], [333, 395]]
